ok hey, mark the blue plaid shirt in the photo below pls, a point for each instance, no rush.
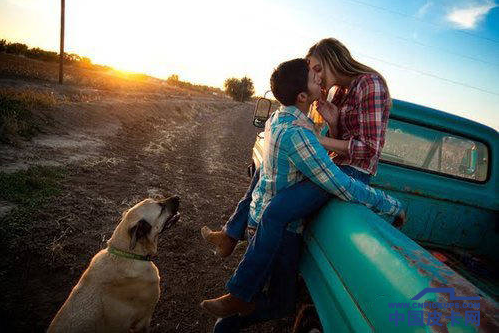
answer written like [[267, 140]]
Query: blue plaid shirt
[[293, 153]]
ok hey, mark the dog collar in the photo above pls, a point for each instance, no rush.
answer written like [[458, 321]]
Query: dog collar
[[128, 255]]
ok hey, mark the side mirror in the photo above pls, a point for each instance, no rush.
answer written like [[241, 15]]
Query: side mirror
[[261, 112], [469, 161]]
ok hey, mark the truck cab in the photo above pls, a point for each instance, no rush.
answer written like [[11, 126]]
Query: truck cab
[[439, 272]]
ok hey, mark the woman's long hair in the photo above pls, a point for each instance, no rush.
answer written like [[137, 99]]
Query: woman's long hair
[[335, 55]]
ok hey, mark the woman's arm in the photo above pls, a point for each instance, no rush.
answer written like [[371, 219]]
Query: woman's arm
[[372, 120], [330, 113]]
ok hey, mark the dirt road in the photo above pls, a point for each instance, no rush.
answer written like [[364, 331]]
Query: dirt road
[[118, 150]]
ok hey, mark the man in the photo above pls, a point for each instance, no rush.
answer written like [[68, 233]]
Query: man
[[291, 153]]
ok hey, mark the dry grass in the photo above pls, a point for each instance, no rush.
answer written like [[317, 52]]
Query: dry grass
[[16, 117], [20, 100]]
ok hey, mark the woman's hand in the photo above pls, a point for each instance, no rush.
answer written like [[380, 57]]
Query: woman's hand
[[328, 111], [324, 94]]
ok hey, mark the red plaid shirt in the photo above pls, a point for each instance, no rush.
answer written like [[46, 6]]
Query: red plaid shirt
[[364, 113]]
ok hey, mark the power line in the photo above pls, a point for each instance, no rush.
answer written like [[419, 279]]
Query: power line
[[306, 36], [447, 51], [418, 43], [418, 19], [430, 75]]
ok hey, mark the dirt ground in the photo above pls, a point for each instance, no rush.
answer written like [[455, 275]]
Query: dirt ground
[[118, 148]]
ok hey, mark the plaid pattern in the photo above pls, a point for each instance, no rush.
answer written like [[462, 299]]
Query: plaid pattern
[[364, 113], [292, 153]]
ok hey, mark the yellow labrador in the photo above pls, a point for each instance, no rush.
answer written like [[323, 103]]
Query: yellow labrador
[[119, 290]]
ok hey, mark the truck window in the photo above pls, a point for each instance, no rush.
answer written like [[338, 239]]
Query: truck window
[[435, 151]]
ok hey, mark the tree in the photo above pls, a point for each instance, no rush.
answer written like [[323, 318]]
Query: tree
[[174, 78], [16, 48], [239, 89]]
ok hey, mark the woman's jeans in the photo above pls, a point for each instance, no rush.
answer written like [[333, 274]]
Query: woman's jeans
[[270, 251]]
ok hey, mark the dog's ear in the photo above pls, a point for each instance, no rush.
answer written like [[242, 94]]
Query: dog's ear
[[140, 229]]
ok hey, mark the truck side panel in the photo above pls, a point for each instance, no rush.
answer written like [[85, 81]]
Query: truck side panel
[[377, 265]]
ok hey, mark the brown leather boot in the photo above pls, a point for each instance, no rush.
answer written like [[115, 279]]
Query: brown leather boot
[[224, 245], [227, 305]]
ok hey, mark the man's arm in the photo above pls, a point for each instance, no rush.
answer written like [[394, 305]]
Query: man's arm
[[341, 147], [310, 158]]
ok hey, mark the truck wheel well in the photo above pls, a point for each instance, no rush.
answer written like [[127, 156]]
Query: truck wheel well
[[307, 319]]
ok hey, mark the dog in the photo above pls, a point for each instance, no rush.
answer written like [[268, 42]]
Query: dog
[[119, 290]]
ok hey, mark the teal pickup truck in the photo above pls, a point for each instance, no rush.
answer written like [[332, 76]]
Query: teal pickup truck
[[439, 272]]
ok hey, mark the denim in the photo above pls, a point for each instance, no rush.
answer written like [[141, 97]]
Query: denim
[[356, 174], [237, 224], [296, 202], [265, 252], [278, 300]]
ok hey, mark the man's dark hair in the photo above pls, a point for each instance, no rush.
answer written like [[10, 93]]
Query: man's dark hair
[[289, 80]]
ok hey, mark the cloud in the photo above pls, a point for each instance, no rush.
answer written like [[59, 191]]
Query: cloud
[[424, 9], [470, 16]]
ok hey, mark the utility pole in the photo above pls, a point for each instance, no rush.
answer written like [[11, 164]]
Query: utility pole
[[61, 55]]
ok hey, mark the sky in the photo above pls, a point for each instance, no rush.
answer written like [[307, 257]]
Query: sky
[[442, 54]]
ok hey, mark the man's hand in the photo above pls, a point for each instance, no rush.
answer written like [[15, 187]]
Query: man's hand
[[399, 220]]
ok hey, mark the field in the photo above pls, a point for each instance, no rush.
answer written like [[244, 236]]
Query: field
[[74, 157]]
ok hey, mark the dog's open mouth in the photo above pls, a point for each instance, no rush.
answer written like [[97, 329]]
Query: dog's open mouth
[[171, 221]]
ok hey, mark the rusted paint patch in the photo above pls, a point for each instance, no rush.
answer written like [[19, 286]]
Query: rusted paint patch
[[442, 276], [488, 310], [425, 261]]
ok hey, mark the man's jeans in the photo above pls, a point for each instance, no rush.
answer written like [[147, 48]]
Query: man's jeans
[[236, 226], [263, 252], [278, 300]]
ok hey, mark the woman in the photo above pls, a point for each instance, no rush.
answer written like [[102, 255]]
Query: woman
[[359, 111], [361, 98]]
